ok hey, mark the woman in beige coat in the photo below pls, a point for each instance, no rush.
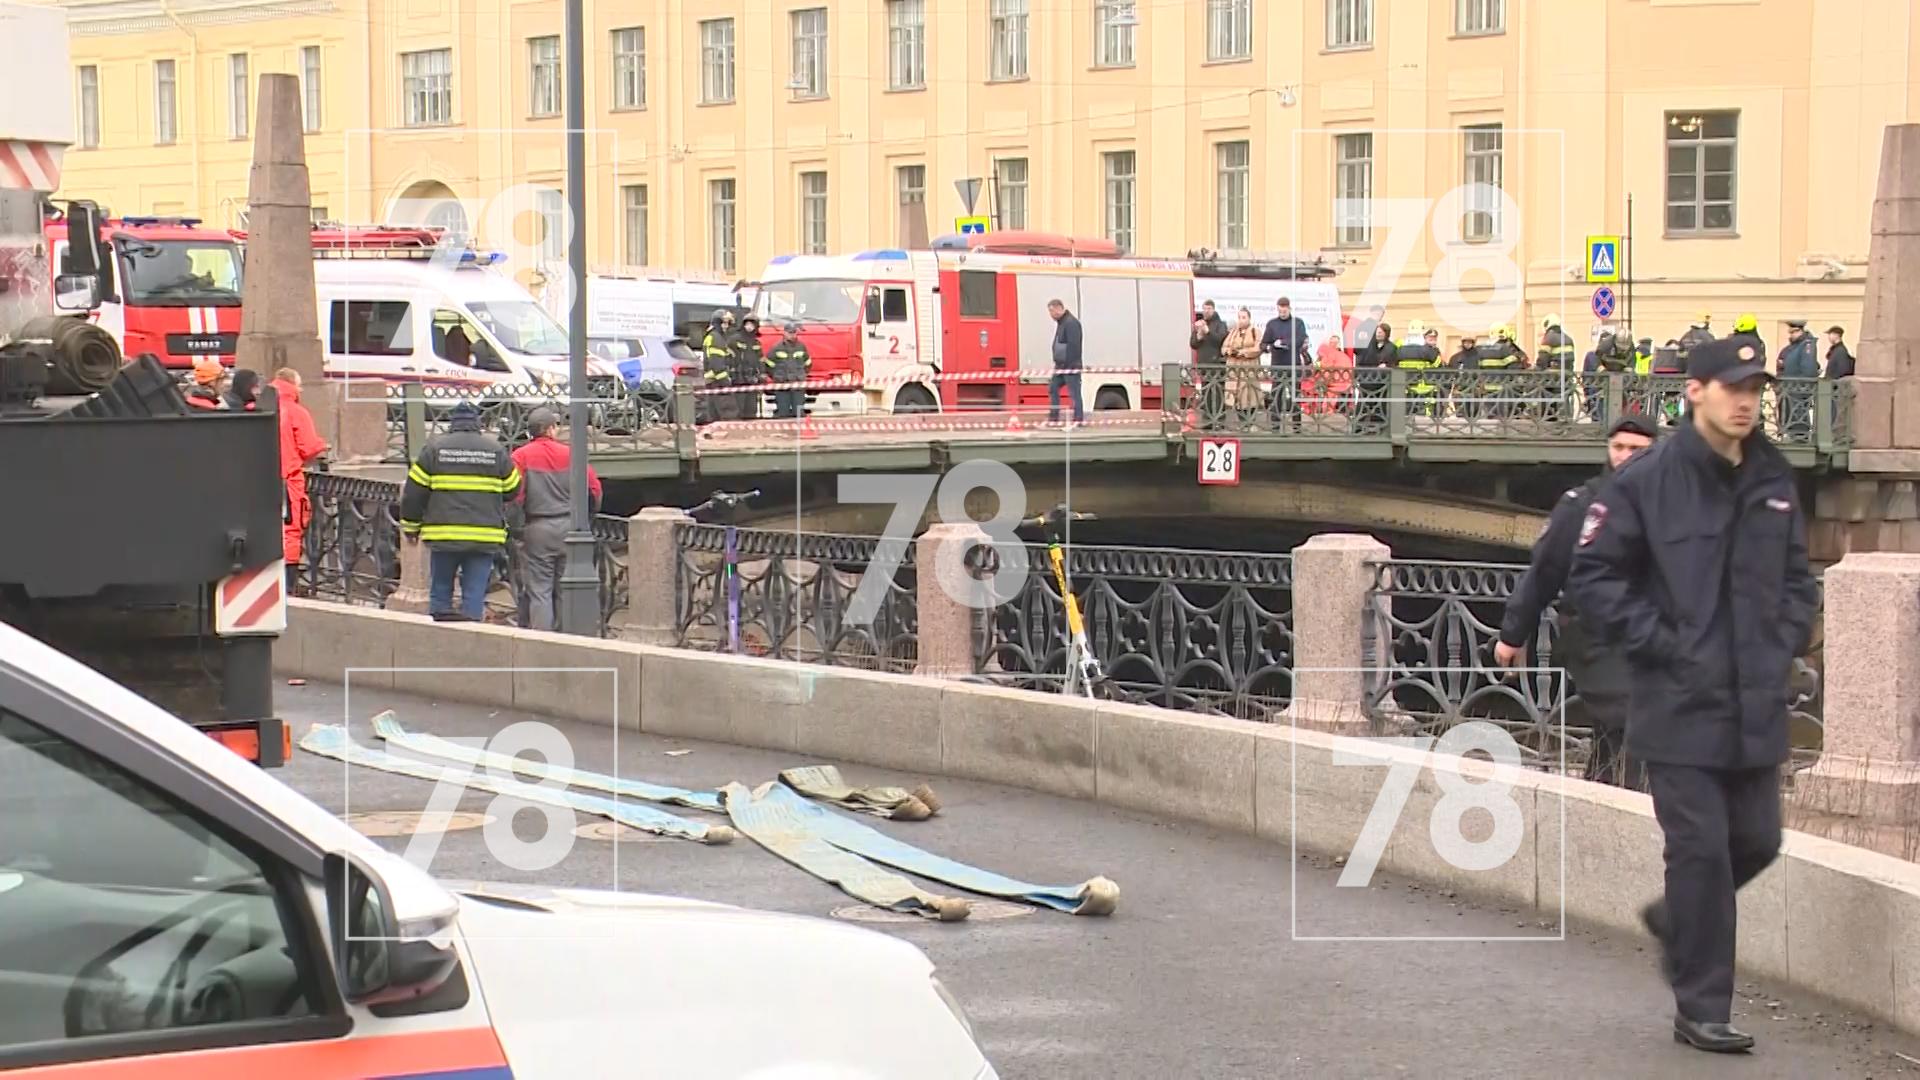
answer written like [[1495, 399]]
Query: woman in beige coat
[[1241, 351]]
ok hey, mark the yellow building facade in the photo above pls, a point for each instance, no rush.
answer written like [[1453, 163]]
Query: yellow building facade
[[1436, 147]]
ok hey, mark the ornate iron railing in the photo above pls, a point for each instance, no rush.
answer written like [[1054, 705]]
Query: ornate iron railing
[[1431, 628], [794, 591], [619, 418], [1202, 631]]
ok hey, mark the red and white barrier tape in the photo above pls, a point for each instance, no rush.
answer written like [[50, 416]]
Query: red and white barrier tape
[[934, 424], [851, 385]]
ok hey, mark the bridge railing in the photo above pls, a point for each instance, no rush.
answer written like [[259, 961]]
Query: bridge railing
[[1395, 406]]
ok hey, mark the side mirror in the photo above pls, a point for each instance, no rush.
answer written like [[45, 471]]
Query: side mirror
[[83, 220], [873, 309], [374, 959], [76, 292]]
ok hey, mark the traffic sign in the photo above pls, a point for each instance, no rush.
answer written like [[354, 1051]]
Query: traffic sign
[[965, 225], [1603, 259], [969, 189], [1220, 461], [1603, 303]]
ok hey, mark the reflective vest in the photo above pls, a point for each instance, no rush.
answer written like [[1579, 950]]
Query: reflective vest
[[1642, 361], [1418, 357], [458, 490], [1556, 349], [789, 363]]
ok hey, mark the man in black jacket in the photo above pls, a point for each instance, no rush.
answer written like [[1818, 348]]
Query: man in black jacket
[[455, 499], [1209, 332], [1288, 346], [1600, 676], [1066, 363], [1694, 562]]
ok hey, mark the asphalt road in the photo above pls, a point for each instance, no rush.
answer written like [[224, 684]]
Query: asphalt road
[[1196, 975]]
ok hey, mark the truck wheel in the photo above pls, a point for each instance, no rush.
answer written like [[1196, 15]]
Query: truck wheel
[[914, 399], [1110, 398]]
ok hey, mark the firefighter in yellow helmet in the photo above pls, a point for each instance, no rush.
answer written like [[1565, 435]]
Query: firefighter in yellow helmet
[[1418, 354], [1499, 354], [1746, 331]]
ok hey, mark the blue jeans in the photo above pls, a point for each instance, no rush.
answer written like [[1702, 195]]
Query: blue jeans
[[475, 571], [1069, 378]]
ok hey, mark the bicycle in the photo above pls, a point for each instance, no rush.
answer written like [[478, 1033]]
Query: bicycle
[[1084, 675], [728, 502]]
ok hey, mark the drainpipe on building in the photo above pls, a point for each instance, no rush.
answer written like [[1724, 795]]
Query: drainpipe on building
[[193, 66]]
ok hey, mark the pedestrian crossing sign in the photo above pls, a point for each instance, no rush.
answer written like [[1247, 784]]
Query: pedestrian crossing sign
[[967, 225], [1603, 259]]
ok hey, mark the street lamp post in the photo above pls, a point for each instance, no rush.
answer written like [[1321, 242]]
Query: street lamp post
[[579, 600]]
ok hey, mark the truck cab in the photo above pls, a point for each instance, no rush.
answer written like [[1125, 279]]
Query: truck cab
[[870, 320], [168, 287]]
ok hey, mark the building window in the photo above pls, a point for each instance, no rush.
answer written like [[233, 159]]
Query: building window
[[1353, 190], [1349, 23], [89, 107], [427, 83], [165, 106], [1010, 192], [813, 213], [906, 44], [1118, 168], [552, 207], [716, 61], [1113, 24], [1479, 16], [1485, 169], [237, 95], [310, 115], [911, 183], [910, 193], [809, 53], [979, 294], [1701, 163], [720, 220], [630, 68], [1233, 219], [543, 63], [1229, 29], [633, 200], [1009, 18]]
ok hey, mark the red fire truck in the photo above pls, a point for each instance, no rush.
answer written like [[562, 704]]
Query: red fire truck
[[170, 287], [886, 321]]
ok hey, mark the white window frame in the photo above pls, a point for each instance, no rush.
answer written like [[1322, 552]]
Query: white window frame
[[1007, 27], [629, 48], [238, 113], [166, 102], [1353, 189], [426, 79], [906, 44], [813, 212], [634, 212], [1233, 189], [910, 185], [87, 97], [1119, 177], [1010, 192], [551, 205], [716, 61], [1349, 24], [1113, 46], [312, 101], [1229, 30], [1483, 164], [1679, 136], [722, 208], [543, 76], [809, 29], [1472, 18]]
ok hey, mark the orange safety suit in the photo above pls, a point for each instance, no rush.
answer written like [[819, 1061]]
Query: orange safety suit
[[300, 443]]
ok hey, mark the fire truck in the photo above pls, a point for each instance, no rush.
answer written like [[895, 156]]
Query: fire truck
[[886, 321], [169, 287]]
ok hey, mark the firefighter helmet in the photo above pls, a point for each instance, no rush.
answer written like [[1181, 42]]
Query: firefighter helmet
[[1746, 323], [1549, 322], [1416, 328]]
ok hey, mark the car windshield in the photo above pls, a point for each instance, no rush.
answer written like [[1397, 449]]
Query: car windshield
[[181, 273], [809, 302], [522, 326], [613, 348]]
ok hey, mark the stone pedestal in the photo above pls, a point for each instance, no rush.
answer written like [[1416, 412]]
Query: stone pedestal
[[949, 599], [1869, 766], [412, 593], [359, 411], [1332, 576], [653, 569]]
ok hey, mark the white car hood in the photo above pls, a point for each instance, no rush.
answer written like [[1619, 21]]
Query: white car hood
[[602, 983]]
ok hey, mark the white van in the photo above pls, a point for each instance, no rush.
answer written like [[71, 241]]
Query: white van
[[1317, 303], [675, 304]]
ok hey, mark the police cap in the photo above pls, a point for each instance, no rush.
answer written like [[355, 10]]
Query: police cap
[[1632, 425], [1725, 360]]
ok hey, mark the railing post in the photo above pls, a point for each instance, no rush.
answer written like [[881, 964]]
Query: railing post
[[411, 595], [947, 596], [1173, 400], [414, 398], [1333, 579], [1616, 398], [1396, 403], [1823, 417], [653, 574], [685, 416]]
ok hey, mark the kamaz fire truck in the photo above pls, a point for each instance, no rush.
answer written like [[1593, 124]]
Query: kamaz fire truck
[[169, 287], [886, 321]]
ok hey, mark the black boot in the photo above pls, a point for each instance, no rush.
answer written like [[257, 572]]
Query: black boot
[[1715, 1038]]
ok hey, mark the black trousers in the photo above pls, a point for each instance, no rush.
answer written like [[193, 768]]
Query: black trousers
[[1722, 827]]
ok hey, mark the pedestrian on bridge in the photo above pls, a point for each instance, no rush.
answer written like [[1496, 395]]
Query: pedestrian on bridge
[[1599, 676], [1694, 562], [455, 499], [546, 490], [1067, 339]]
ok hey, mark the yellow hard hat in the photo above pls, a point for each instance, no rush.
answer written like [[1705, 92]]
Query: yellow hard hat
[[1416, 328], [1496, 330], [1549, 322], [1745, 322]]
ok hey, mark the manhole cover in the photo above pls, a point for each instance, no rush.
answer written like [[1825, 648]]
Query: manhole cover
[[408, 822], [980, 911], [613, 830]]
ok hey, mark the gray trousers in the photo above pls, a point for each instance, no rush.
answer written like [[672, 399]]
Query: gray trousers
[[546, 553]]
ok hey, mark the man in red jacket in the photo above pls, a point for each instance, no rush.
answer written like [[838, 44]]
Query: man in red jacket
[[300, 444], [546, 489]]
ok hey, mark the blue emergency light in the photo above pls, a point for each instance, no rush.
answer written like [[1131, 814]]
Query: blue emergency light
[[881, 255], [183, 222], [779, 260]]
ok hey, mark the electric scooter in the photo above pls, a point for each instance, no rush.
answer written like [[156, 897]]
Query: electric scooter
[[1084, 676], [728, 502]]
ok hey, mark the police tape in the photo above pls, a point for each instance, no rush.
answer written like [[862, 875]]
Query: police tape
[[930, 423], [842, 383]]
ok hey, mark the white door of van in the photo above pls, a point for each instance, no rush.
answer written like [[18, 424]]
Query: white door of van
[[459, 353], [368, 338]]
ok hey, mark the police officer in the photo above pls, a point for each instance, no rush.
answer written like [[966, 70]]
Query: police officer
[[716, 368], [789, 362], [1797, 361], [1693, 561], [1599, 675]]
